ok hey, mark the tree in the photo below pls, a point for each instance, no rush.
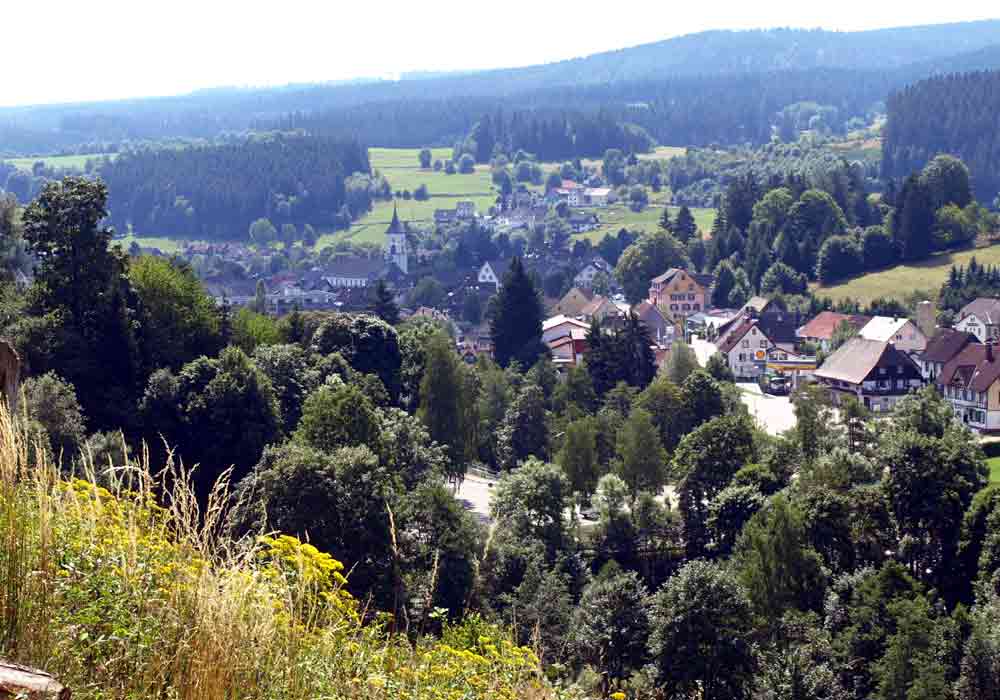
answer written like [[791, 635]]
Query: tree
[[667, 225], [516, 319], [384, 305], [523, 432], [81, 279], [684, 227], [263, 233], [641, 459], [553, 181], [610, 626], [336, 500], [681, 362], [781, 279], [425, 157], [948, 182], [530, 505], [181, 321], [911, 667], [702, 398], [421, 193], [427, 292], [441, 397], [664, 402], [878, 250], [51, 403], [578, 456], [778, 568], [368, 343], [652, 254], [813, 418], [839, 257], [466, 164], [338, 416], [718, 368], [913, 220], [700, 639], [577, 389], [705, 462]]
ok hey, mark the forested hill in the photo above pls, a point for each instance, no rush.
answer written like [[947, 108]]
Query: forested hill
[[955, 114], [668, 69], [217, 192]]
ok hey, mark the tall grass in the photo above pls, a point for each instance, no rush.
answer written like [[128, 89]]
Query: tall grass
[[128, 591]]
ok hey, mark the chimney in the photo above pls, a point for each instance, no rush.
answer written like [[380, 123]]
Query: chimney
[[989, 350]]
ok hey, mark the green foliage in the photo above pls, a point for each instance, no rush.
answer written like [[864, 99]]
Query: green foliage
[[701, 634], [651, 255], [530, 503], [779, 569], [578, 456], [516, 319], [338, 415], [251, 330], [641, 459], [384, 305], [681, 362], [718, 368], [664, 402], [441, 399], [52, 404], [368, 343], [523, 432]]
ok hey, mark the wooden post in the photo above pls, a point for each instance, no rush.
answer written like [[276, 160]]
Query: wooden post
[[21, 681]]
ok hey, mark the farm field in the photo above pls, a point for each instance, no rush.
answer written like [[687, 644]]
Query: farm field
[[401, 167], [78, 162], [994, 464], [167, 245], [903, 279], [618, 216]]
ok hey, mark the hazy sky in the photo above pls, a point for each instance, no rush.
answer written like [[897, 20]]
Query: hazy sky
[[68, 50]]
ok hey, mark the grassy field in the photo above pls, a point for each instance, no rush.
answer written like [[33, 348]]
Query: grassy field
[[167, 245], [77, 162], [618, 216], [994, 464], [900, 280], [401, 166]]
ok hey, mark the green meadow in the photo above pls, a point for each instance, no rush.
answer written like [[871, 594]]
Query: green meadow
[[75, 162]]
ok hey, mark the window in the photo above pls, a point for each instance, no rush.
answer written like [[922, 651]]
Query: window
[[696, 307], [881, 370], [673, 307], [746, 344], [899, 370], [763, 343], [690, 297]]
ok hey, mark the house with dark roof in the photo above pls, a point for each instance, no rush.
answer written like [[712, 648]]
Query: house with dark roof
[[820, 329], [780, 326], [980, 317], [353, 272], [875, 372], [970, 382], [941, 349], [572, 302], [661, 330]]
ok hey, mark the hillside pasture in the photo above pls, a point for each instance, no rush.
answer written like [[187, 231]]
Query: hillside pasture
[[67, 162], [901, 280], [619, 216]]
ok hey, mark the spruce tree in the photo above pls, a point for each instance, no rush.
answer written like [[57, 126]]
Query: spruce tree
[[665, 223], [516, 319], [685, 228], [383, 305]]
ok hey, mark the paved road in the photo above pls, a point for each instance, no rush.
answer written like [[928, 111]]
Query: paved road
[[774, 413], [475, 495], [702, 349]]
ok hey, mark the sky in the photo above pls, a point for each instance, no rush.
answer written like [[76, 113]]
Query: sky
[[68, 50]]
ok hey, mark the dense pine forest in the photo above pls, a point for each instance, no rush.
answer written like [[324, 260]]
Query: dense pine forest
[[956, 114], [216, 192]]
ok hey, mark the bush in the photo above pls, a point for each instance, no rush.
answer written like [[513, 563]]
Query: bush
[[839, 257]]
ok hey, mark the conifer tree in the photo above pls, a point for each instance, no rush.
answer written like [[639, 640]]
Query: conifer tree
[[665, 223], [516, 319], [441, 396], [685, 228], [383, 305]]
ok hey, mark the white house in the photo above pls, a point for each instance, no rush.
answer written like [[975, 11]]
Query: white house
[[970, 382], [585, 277], [559, 326], [745, 349], [598, 196], [981, 318], [492, 272], [901, 332]]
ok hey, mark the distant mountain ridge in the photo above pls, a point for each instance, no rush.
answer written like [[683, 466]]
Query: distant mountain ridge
[[893, 57]]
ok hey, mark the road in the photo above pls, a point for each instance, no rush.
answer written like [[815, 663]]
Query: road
[[774, 413], [475, 495]]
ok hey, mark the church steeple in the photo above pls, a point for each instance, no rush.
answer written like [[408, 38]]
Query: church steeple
[[395, 240]]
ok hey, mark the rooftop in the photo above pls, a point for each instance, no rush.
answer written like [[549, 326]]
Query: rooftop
[[826, 322], [853, 361]]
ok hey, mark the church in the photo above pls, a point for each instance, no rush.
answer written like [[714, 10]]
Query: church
[[395, 243]]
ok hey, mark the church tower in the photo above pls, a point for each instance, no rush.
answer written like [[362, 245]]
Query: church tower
[[395, 242]]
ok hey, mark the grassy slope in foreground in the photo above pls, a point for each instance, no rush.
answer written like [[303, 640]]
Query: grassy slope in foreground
[[123, 599], [901, 280]]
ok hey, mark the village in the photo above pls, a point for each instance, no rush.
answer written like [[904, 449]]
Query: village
[[876, 360]]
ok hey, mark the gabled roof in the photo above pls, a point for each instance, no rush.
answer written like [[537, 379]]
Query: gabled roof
[[976, 367], [780, 326], [946, 344], [353, 267], [883, 328], [587, 294], [499, 266], [595, 305], [644, 310], [736, 336], [758, 304], [986, 309], [826, 322], [853, 361], [555, 321]]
